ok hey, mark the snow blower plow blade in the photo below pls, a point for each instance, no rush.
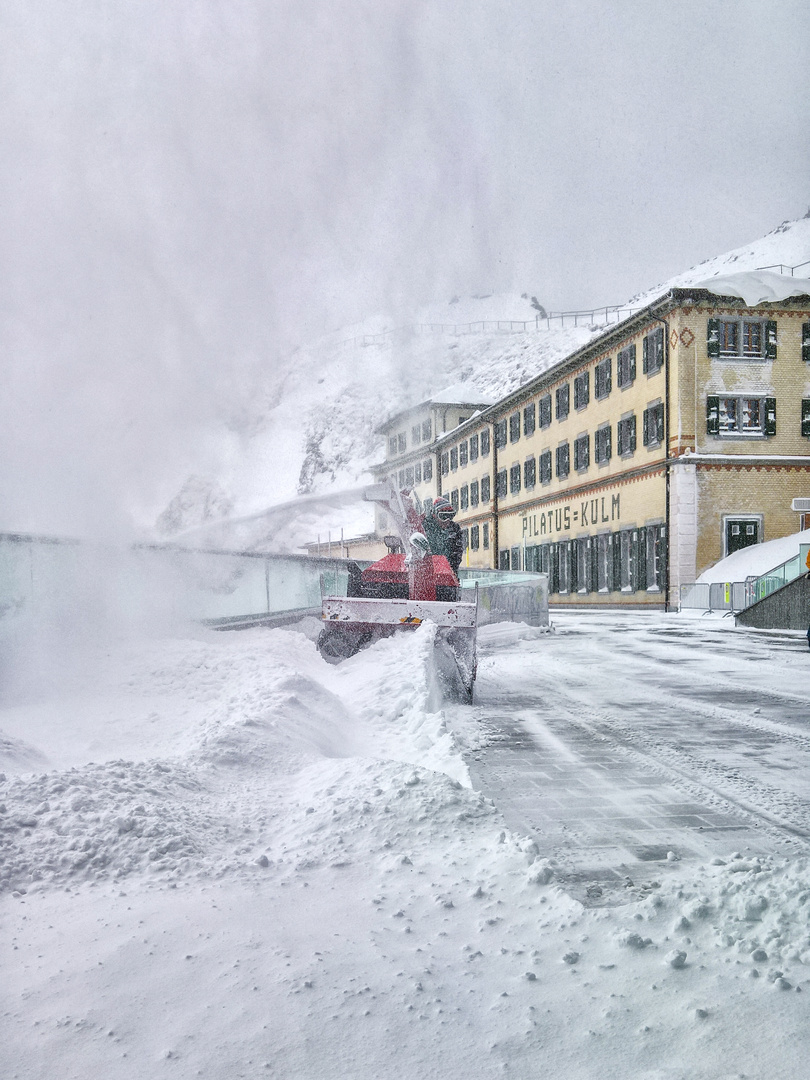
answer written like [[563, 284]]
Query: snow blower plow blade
[[351, 623]]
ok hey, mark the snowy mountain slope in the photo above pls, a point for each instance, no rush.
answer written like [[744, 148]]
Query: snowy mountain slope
[[310, 427], [788, 245]]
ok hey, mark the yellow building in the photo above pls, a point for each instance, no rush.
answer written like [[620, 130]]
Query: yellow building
[[667, 442]]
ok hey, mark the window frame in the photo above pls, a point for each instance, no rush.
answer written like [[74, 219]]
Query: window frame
[[603, 447], [582, 453], [603, 379], [582, 390], [562, 456], [562, 401], [529, 423], [544, 412], [626, 366]]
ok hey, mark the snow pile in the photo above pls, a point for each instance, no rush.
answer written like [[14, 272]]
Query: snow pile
[[757, 287], [757, 559], [302, 884]]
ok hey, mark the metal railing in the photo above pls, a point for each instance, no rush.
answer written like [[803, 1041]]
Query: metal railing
[[738, 595], [781, 268]]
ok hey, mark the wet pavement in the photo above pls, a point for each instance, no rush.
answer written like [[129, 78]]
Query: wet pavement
[[619, 772]]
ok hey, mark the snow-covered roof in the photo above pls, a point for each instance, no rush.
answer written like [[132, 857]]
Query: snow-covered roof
[[461, 394], [756, 286]]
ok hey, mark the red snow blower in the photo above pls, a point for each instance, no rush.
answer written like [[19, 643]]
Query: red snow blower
[[399, 593]]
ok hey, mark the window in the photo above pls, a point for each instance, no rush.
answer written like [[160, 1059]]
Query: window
[[655, 557], [503, 560], [741, 533], [528, 420], [563, 567], [402, 444], [485, 442], [751, 416], [626, 366], [582, 565], [501, 484], [652, 425], [416, 435], [462, 454], [427, 430], [562, 402], [485, 537], [417, 473], [454, 459], [473, 448], [582, 452], [604, 562], [529, 473], [464, 496], [626, 436], [465, 538], [514, 427], [545, 467], [544, 411], [474, 493], [602, 445], [454, 499], [563, 461], [486, 495], [427, 469], [806, 418], [754, 339], [516, 558], [463, 419], [603, 378], [500, 434], [806, 342], [445, 464], [475, 537], [409, 477], [514, 479], [652, 351], [401, 478], [582, 390], [628, 542], [392, 446]]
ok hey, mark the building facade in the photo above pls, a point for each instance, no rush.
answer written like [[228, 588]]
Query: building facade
[[669, 441]]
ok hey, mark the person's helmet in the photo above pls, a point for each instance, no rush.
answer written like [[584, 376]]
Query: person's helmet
[[443, 509]]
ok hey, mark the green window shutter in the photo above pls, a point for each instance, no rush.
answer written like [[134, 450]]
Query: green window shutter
[[770, 416], [806, 417], [659, 422], [713, 337], [645, 354], [806, 342], [617, 561], [645, 427], [641, 560], [770, 340], [632, 431], [632, 362], [712, 415]]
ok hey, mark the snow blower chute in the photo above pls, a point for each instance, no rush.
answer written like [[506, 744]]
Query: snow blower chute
[[399, 593]]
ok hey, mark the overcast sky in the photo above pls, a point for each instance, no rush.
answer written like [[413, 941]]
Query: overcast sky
[[188, 186]]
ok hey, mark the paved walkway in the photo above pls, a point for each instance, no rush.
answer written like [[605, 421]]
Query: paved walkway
[[607, 806]]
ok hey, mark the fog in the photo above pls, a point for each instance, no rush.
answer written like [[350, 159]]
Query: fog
[[191, 189]]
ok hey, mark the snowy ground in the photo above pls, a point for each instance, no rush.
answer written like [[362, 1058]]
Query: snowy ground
[[232, 860]]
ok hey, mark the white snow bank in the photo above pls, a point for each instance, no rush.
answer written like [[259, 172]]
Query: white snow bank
[[757, 559], [756, 286]]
